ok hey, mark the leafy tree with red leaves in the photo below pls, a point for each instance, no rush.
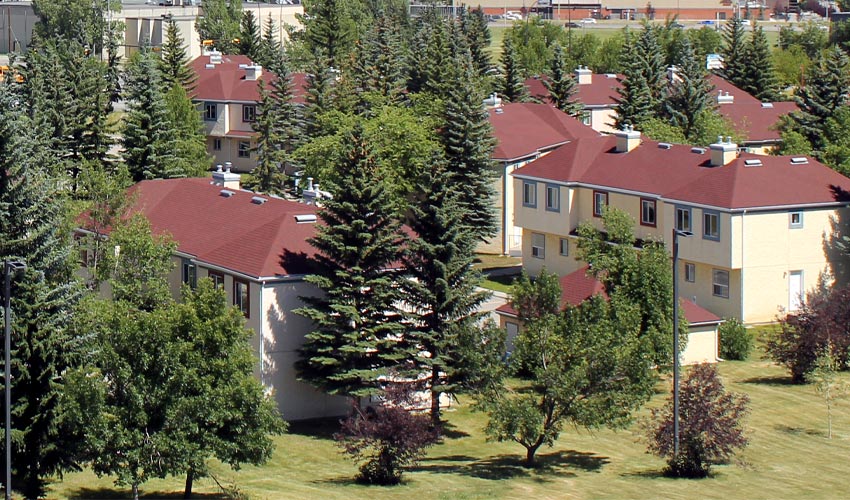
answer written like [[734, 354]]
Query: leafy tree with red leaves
[[710, 424]]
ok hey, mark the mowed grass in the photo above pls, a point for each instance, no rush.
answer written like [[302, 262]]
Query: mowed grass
[[789, 457]]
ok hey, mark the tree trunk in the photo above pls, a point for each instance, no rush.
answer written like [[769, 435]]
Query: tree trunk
[[190, 478], [529, 455], [135, 491], [435, 396]]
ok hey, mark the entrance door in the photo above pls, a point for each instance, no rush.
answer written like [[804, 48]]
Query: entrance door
[[795, 290]]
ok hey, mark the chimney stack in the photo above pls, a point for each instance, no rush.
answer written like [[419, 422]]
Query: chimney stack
[[723, 152], [627, 139], [253, 72], [215, 57], [583, 75], [226, 178]]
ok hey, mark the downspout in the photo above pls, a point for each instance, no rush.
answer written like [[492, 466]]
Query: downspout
[[506, 249], [262, 338], [743, 218]]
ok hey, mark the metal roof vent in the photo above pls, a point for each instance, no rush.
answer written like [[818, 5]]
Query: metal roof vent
[[304, 219], [499, 111], [767, 104], [752, 163], [610, 75], [226, 193], [799, 160], [258, 200], [664, 145], [699, 151], [209, 66]]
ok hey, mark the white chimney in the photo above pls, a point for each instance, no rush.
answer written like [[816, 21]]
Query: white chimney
[[723, 151], [253, 72], [215, 57], [226, 178], [725, 97], [493, 101], [583, 75], [627, 139], [673, 74]]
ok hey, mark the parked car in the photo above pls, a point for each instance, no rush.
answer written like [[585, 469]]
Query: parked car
[[513, 15], [707, 22], [746, 22], [677, 25], [572, 25], [588, 20]]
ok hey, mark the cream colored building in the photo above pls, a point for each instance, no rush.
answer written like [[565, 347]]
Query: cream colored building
[[763, 226]]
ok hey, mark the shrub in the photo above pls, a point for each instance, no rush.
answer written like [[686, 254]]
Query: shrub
[[710, 424], [388, 437], [736, 342]]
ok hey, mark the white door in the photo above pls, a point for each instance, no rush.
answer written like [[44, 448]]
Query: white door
[[795, 290]]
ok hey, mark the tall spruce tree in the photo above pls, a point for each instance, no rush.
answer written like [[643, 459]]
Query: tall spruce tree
[[380, 60], [174, 60], [468, 141], [650, 59], [473, 24], [562, 85], [734, 52], [635, 105], [689, 93], [441, 286], [319, 93], [249, 36], [270, 47], [824, 92], [513, 84], [187, 131], [759, 77], [34, 228], [354, 340], [329, 28], [429, 49]]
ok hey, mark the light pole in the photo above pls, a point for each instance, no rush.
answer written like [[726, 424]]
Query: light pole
[[676, 234], [10, 267]]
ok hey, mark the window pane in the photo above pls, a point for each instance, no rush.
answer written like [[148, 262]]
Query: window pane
[[565, 246]]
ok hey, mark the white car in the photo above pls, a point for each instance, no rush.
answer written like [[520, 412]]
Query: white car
[[513, 15], [588, 20], [746, 22]]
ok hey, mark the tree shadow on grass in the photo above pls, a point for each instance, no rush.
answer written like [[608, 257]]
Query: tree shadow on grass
[[319, 428], [559, 463], [799, 430], [781, 380], [110, 493], [451, 431]]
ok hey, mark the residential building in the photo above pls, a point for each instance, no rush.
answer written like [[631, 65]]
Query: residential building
[[578, 286], [764, 227], [255, 248], [227, 94]]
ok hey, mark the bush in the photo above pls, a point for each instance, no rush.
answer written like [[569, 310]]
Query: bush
[[736, 342], [710, 424]]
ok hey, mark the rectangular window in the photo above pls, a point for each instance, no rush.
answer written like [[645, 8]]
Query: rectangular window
[[241, 298], [710, 225], [217, 278], [564, 247], [690, 272], [538, 245], [216, 144], [529, 194], [795, 220], [720, 283], [190, 273], [600, 200], [683, 219], [244, 149], [249, 112], [553, 198], [210, 111], [647, 212], [585, 118]]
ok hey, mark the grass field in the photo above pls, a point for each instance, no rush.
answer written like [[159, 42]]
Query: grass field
[[789, 457]]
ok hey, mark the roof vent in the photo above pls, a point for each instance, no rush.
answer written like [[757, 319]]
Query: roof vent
[[258, 200], [767, 104], [699, 151], [799, 160], [664, 145], [752, 163], [243, 66], [209, 66], [304, 219], [610, 75], [226, 193], [499, 111]]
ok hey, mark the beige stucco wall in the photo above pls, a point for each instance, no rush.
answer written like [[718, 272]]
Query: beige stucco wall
[[703, 345], [602, 120], [234, 116]]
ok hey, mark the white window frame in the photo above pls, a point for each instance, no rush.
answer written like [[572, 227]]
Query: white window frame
[[553, 198], [706, 233], [686, 212], [648, 207], [190, 273], [210, 111], [538, 245], [600, 201], [718, 287], [564, 247], [244, 149], [529, 194], [249, 113], [798, 224], [690, 272]]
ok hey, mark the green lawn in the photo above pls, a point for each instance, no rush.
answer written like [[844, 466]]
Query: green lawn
[[788, 457]]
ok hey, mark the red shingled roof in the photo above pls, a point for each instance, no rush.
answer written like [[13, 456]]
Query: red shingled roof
[[230, 232], [522, 129], [679, 174], [601, 91], [579, 286], [226, 81]]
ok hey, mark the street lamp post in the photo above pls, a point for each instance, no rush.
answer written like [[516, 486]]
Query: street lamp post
[[676, 234], [10, 267]]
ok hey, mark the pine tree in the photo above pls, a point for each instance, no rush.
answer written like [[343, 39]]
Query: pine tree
[[148, 143], [513, 84], [441, 285], [650, 58], [380, 60], [187, 132], [319, 93], [734, 52], [759, 77], [825, 91], [354, 340], [329, 28], [635, 104], [249, 36], [34, 228], [270, 48], [473, 24], [562, 85], [174, 61], [468, 141], [429, 49], [689, 92]]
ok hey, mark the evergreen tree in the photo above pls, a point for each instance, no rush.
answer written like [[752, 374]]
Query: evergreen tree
[[513, 84], [689, 92], [220, 23], [441, 289], [734, 52], [473, 24], [82, 21], [249, 36], [562, 85], [354, 340], [270, 48], [635, 105], [174, 61], [187, 132], [329, 28], [759, 77], [148, 143], [429, 49], [468, 141], [319, 93], [34, 228], [380, 60], [825, 92], [650, 59]]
